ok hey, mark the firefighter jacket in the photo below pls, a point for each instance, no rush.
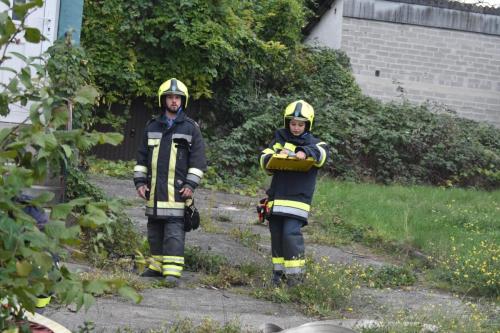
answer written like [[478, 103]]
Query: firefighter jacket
[[168, 160], [291, 192]]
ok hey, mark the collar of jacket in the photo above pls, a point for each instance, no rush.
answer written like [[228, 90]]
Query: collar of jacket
[[181, 116], [298, 140]]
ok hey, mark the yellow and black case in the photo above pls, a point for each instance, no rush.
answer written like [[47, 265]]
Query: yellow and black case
[[289, 163]]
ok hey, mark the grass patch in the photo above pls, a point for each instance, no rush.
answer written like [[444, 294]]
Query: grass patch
[[326, 288], [223, 218], [133, 280], [218, 272], [208, 225], [476, 318], [475, 270], [249, 185], [198, 261], [207, 325], [229, 276], [206, 221], [117, 169], [388, 277], [458, 229], [246, 237]]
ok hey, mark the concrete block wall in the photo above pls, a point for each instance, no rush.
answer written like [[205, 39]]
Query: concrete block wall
[[458, 69]]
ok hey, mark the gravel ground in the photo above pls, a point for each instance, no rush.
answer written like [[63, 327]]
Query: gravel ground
[[227, 214]]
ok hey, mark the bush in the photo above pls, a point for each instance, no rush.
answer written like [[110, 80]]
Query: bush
[[30, 152], [395, 142], [114, 239]]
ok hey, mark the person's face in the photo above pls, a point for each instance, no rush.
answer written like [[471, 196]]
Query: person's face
[[297, 127], [173, 103]]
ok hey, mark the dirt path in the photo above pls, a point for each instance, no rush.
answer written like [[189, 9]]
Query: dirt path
[[229, 213]]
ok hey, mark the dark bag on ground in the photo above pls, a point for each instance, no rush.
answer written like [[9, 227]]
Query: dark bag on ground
[[191, 216]]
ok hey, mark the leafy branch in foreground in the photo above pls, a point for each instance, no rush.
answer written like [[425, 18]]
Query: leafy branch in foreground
[[38, 148]]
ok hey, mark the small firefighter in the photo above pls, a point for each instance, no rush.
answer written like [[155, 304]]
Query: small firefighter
[[41, 218], [170, 164], [291, 192]]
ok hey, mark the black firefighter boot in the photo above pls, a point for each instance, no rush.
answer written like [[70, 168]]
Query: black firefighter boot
[[278, 278], [294, 280], [172, 281], [151, 273]]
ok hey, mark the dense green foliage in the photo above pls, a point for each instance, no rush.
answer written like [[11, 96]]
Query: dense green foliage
[[29, 154], [69, 70], [105, 242], [396, 142], [136, 45], [245, 60]]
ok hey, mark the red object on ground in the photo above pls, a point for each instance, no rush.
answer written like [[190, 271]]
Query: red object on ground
[[37, 328]]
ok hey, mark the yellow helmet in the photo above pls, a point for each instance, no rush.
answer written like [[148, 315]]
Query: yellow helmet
[[173, 87], [300, 110]]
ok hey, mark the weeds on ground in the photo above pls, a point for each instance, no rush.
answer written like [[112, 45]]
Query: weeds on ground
[[223, 218], [229, 276], [196, 260], [473, 271], [387, 277], [206, 222], [133, 280], [439, 318], [116, 239], [88, 327], [326, 288], [218, 272], [245, 237], [208, 325], [333, 230]]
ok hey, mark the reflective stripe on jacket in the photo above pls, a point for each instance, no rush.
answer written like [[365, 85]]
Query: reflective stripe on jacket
[[168, 160], [291, 192]]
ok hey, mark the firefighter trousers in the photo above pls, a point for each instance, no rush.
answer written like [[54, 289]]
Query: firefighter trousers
[[287, 245], [166, 239]]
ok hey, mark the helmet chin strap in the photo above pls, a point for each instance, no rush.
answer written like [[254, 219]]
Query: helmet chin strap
[[179, 110]]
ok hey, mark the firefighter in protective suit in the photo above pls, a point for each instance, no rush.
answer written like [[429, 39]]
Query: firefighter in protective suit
[[291, 192], [170, 164]]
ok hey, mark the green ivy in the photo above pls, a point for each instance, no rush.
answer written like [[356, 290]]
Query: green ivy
[[70, 73], [136, 45]]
